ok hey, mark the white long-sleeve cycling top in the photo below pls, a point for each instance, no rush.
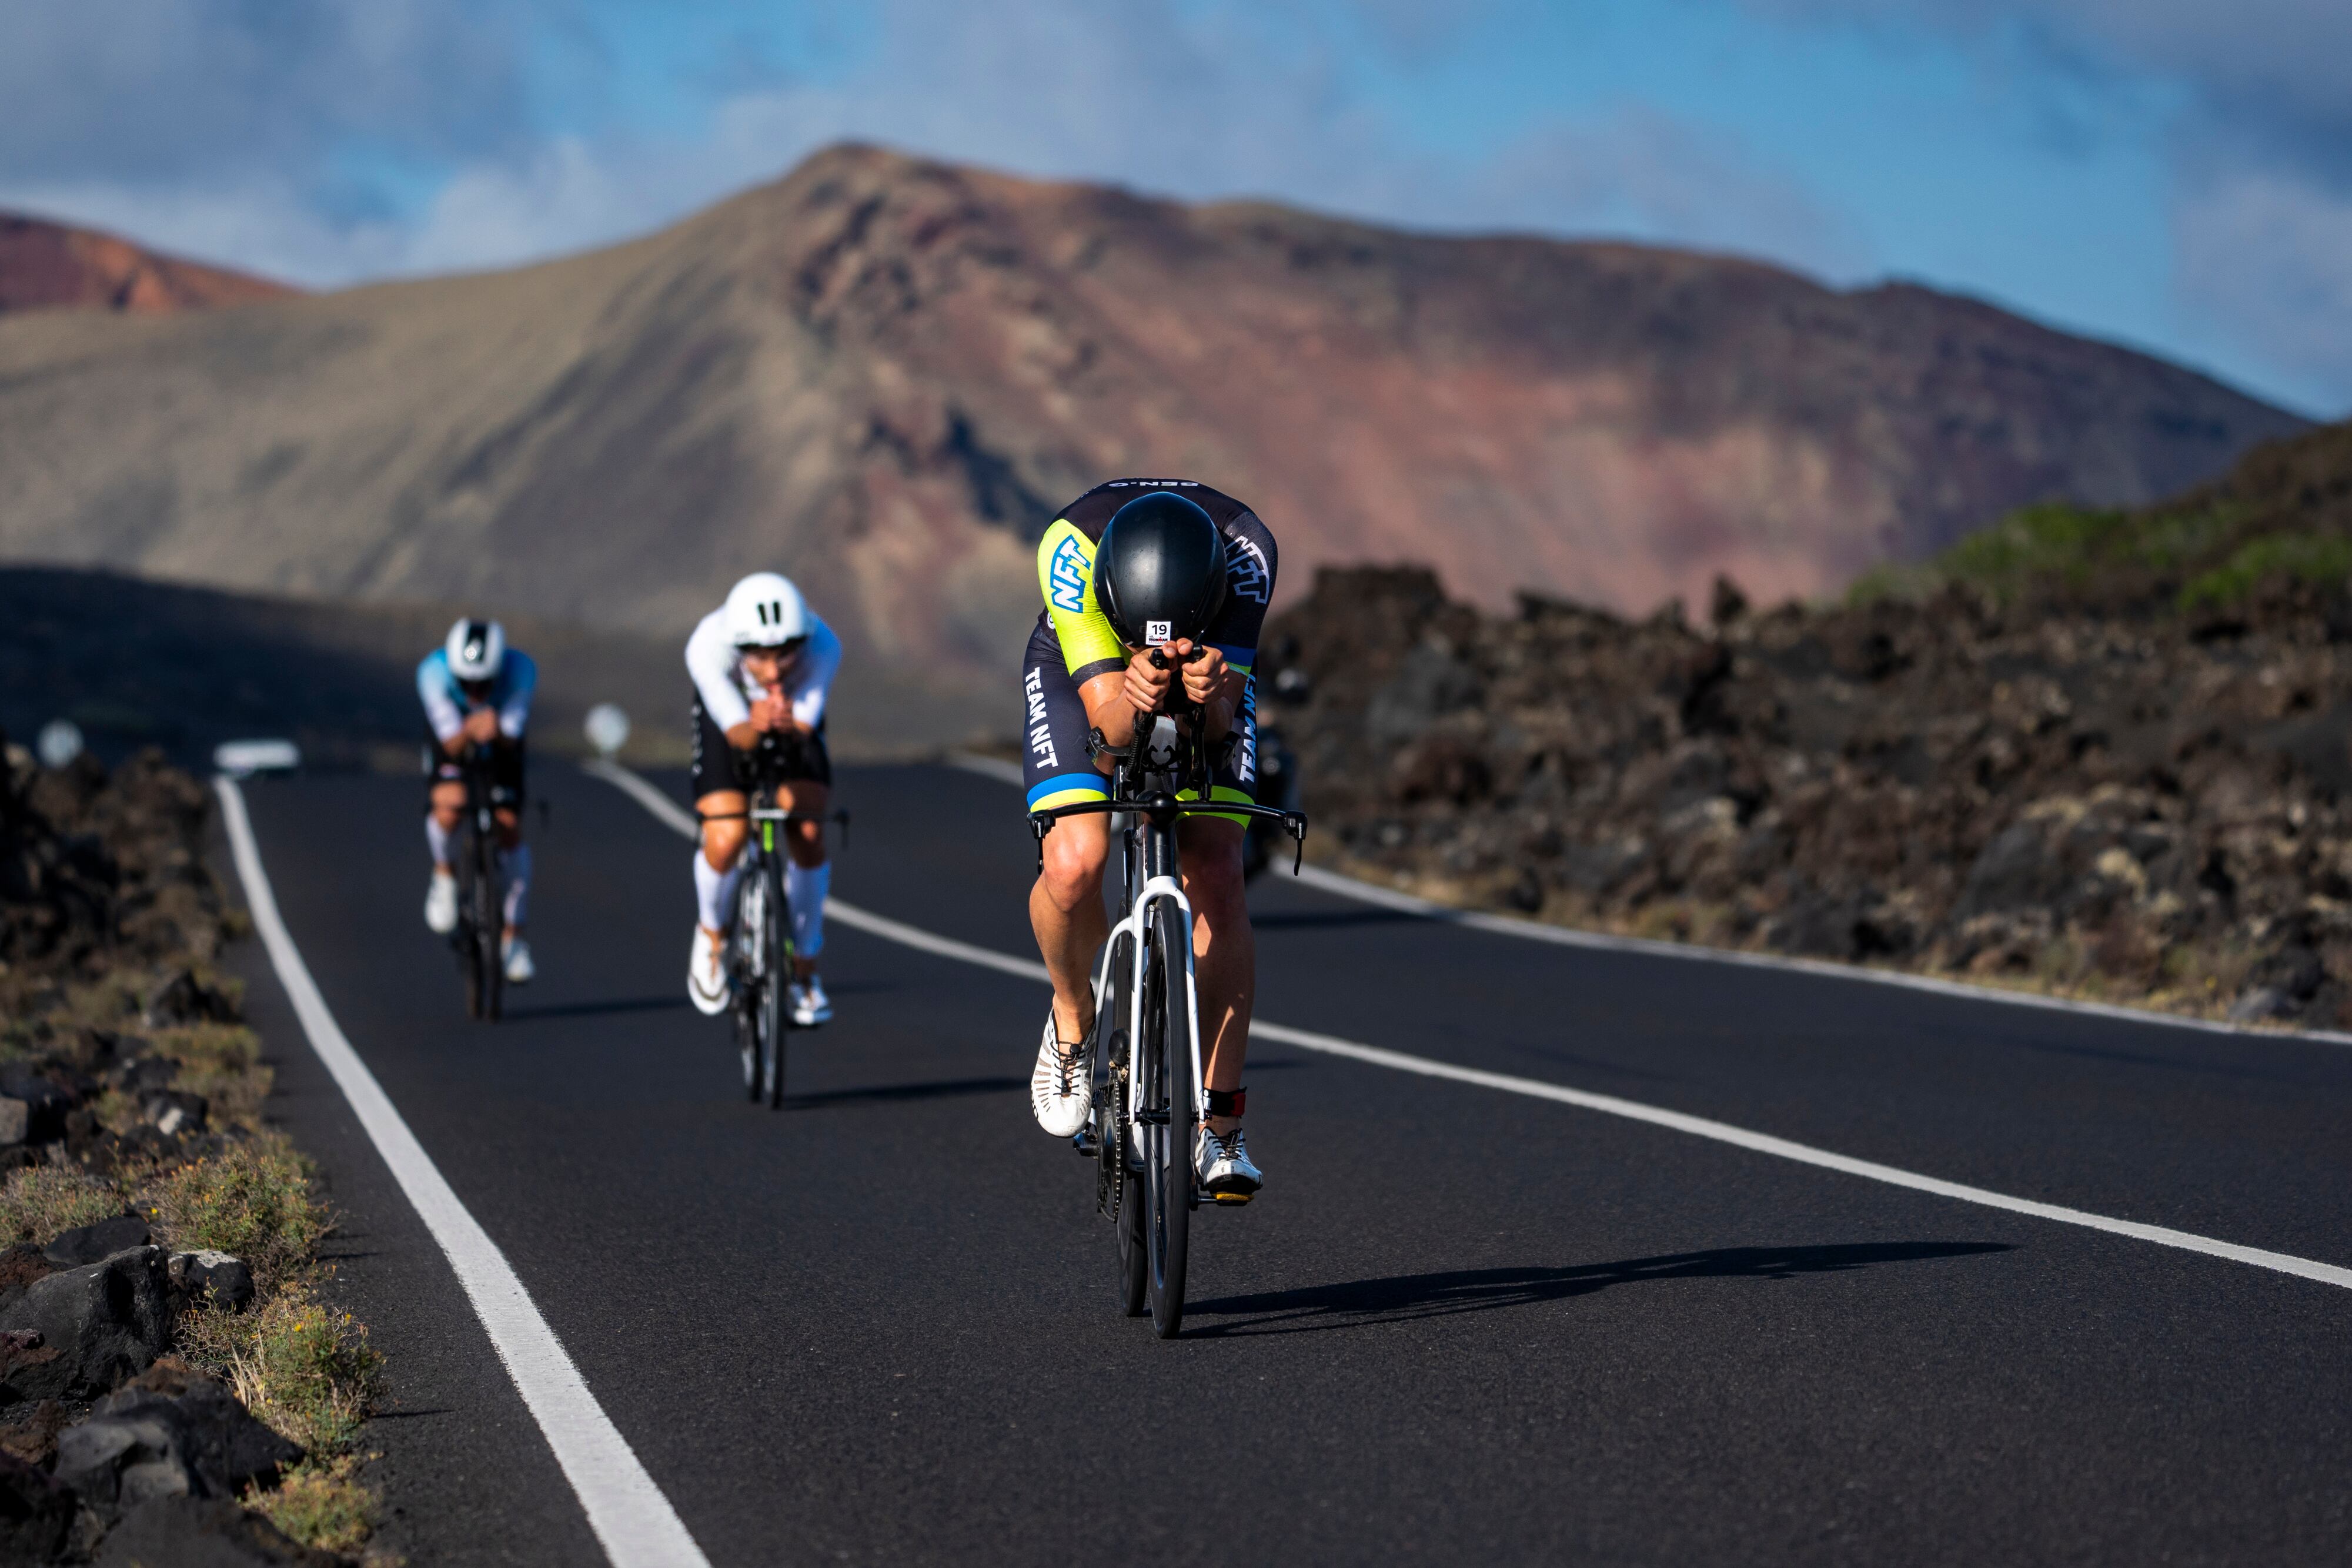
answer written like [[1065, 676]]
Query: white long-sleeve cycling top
[[446, 704], [728, 692]]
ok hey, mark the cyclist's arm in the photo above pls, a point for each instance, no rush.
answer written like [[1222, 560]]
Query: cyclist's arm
[[812, 677], [1235, 635], [1108, 708], [438, 694], [710, 661], [522, 673]]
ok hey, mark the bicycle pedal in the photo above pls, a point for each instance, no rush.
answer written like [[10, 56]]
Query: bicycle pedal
[[1229, 1199], [1085, 1142]]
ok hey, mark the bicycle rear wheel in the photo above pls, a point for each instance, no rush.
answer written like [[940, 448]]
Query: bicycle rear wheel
[[1166, 1077]]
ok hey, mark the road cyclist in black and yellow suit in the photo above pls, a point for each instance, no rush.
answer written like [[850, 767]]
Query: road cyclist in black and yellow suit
[[1131, 568]]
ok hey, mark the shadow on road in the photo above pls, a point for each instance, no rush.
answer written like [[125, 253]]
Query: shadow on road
[[1361, 1303], [1326, 919], [598, 1009], [899, 1093]]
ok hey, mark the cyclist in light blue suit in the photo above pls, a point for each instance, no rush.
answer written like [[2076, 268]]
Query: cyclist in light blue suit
[[477, 691]]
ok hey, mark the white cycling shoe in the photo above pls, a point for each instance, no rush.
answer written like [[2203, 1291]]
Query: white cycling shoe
[[441, 904], [811, 1006], [520, 970], [1224, 1166], [706, 974], [1062, 1089]]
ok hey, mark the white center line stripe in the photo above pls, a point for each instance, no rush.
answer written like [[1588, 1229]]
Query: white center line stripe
[[632, 1519], [667, 810]]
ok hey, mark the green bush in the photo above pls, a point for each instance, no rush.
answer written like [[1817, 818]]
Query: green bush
[[252, 1199], [2055, 539], [2309, 557]]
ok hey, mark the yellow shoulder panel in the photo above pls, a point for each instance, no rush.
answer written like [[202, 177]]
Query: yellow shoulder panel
[[1066, 576]]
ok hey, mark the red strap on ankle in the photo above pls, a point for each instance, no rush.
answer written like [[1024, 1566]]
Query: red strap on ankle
[[1228, 1101]]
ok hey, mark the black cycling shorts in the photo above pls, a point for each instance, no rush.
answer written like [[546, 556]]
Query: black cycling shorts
[[1055, 767], [505, 767], [777, 759]]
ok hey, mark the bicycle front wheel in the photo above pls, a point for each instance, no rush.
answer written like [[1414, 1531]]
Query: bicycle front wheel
[[489, 921], [1166, 1059], [777, 960]]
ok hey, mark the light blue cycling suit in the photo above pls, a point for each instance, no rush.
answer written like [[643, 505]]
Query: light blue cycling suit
[[445, 702]]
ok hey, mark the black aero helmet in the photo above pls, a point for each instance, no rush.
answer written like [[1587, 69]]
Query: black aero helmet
[[1159, 571]]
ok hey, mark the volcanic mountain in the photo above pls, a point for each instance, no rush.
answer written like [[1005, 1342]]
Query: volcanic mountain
[[46, 266], [882, 374]]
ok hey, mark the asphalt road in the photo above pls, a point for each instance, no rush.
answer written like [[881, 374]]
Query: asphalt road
[[1461, 1326]]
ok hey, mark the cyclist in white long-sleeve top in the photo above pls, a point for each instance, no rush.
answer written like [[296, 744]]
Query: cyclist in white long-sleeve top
[[762, 665], [477, 691]]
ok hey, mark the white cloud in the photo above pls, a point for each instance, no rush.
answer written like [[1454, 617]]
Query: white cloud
[[1167, 96], [2269, 257]]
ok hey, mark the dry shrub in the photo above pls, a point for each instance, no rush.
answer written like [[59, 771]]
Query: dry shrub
[[221, 1061], [305, 1370], [321, 1503], [42, 1200]]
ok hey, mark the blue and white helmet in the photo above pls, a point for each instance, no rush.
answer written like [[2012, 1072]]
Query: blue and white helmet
[[475, 649], [764, 610]]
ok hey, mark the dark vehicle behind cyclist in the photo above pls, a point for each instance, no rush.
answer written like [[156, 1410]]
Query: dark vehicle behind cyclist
[[762, 665], [1132, 568], [477, 691]]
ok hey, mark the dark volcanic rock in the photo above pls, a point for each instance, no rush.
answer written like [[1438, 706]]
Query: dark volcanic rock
[[35, 1514], [202, 1533], [224, 1280], [183, 999], [97, 1325], [2109, 796], [46, 1101], [95, 1243], [141, 1444], [100, 869]]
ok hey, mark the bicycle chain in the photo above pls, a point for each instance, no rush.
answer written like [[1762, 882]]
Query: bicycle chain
[[1110, 1159]]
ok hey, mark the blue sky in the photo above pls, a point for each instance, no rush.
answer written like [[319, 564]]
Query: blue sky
[[2170, 173]]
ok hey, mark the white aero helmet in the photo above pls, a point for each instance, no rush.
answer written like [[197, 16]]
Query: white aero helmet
[[764, 610], [475, 649]]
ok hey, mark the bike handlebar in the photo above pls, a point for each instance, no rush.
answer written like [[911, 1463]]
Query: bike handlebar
[[1293, 823]]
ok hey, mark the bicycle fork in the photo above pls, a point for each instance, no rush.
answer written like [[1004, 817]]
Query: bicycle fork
[[1165, 889]]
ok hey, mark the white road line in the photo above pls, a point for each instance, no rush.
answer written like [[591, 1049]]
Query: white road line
[[628, 1513], [1332, 881], [681, 821], [1607, 1104]]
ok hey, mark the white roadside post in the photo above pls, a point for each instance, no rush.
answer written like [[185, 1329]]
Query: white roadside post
[[59, 742], [608, 729]]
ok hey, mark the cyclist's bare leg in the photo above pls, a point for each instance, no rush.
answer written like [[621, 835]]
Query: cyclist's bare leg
[[1224, 950], [1066, 910], [805, 841], [448, 805], [723, 839], [509, 840]]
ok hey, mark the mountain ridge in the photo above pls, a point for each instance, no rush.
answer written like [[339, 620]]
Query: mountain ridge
[[47, 265], [883, 373]]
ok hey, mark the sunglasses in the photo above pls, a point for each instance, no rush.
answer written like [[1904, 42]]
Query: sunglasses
[[781, 650]]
